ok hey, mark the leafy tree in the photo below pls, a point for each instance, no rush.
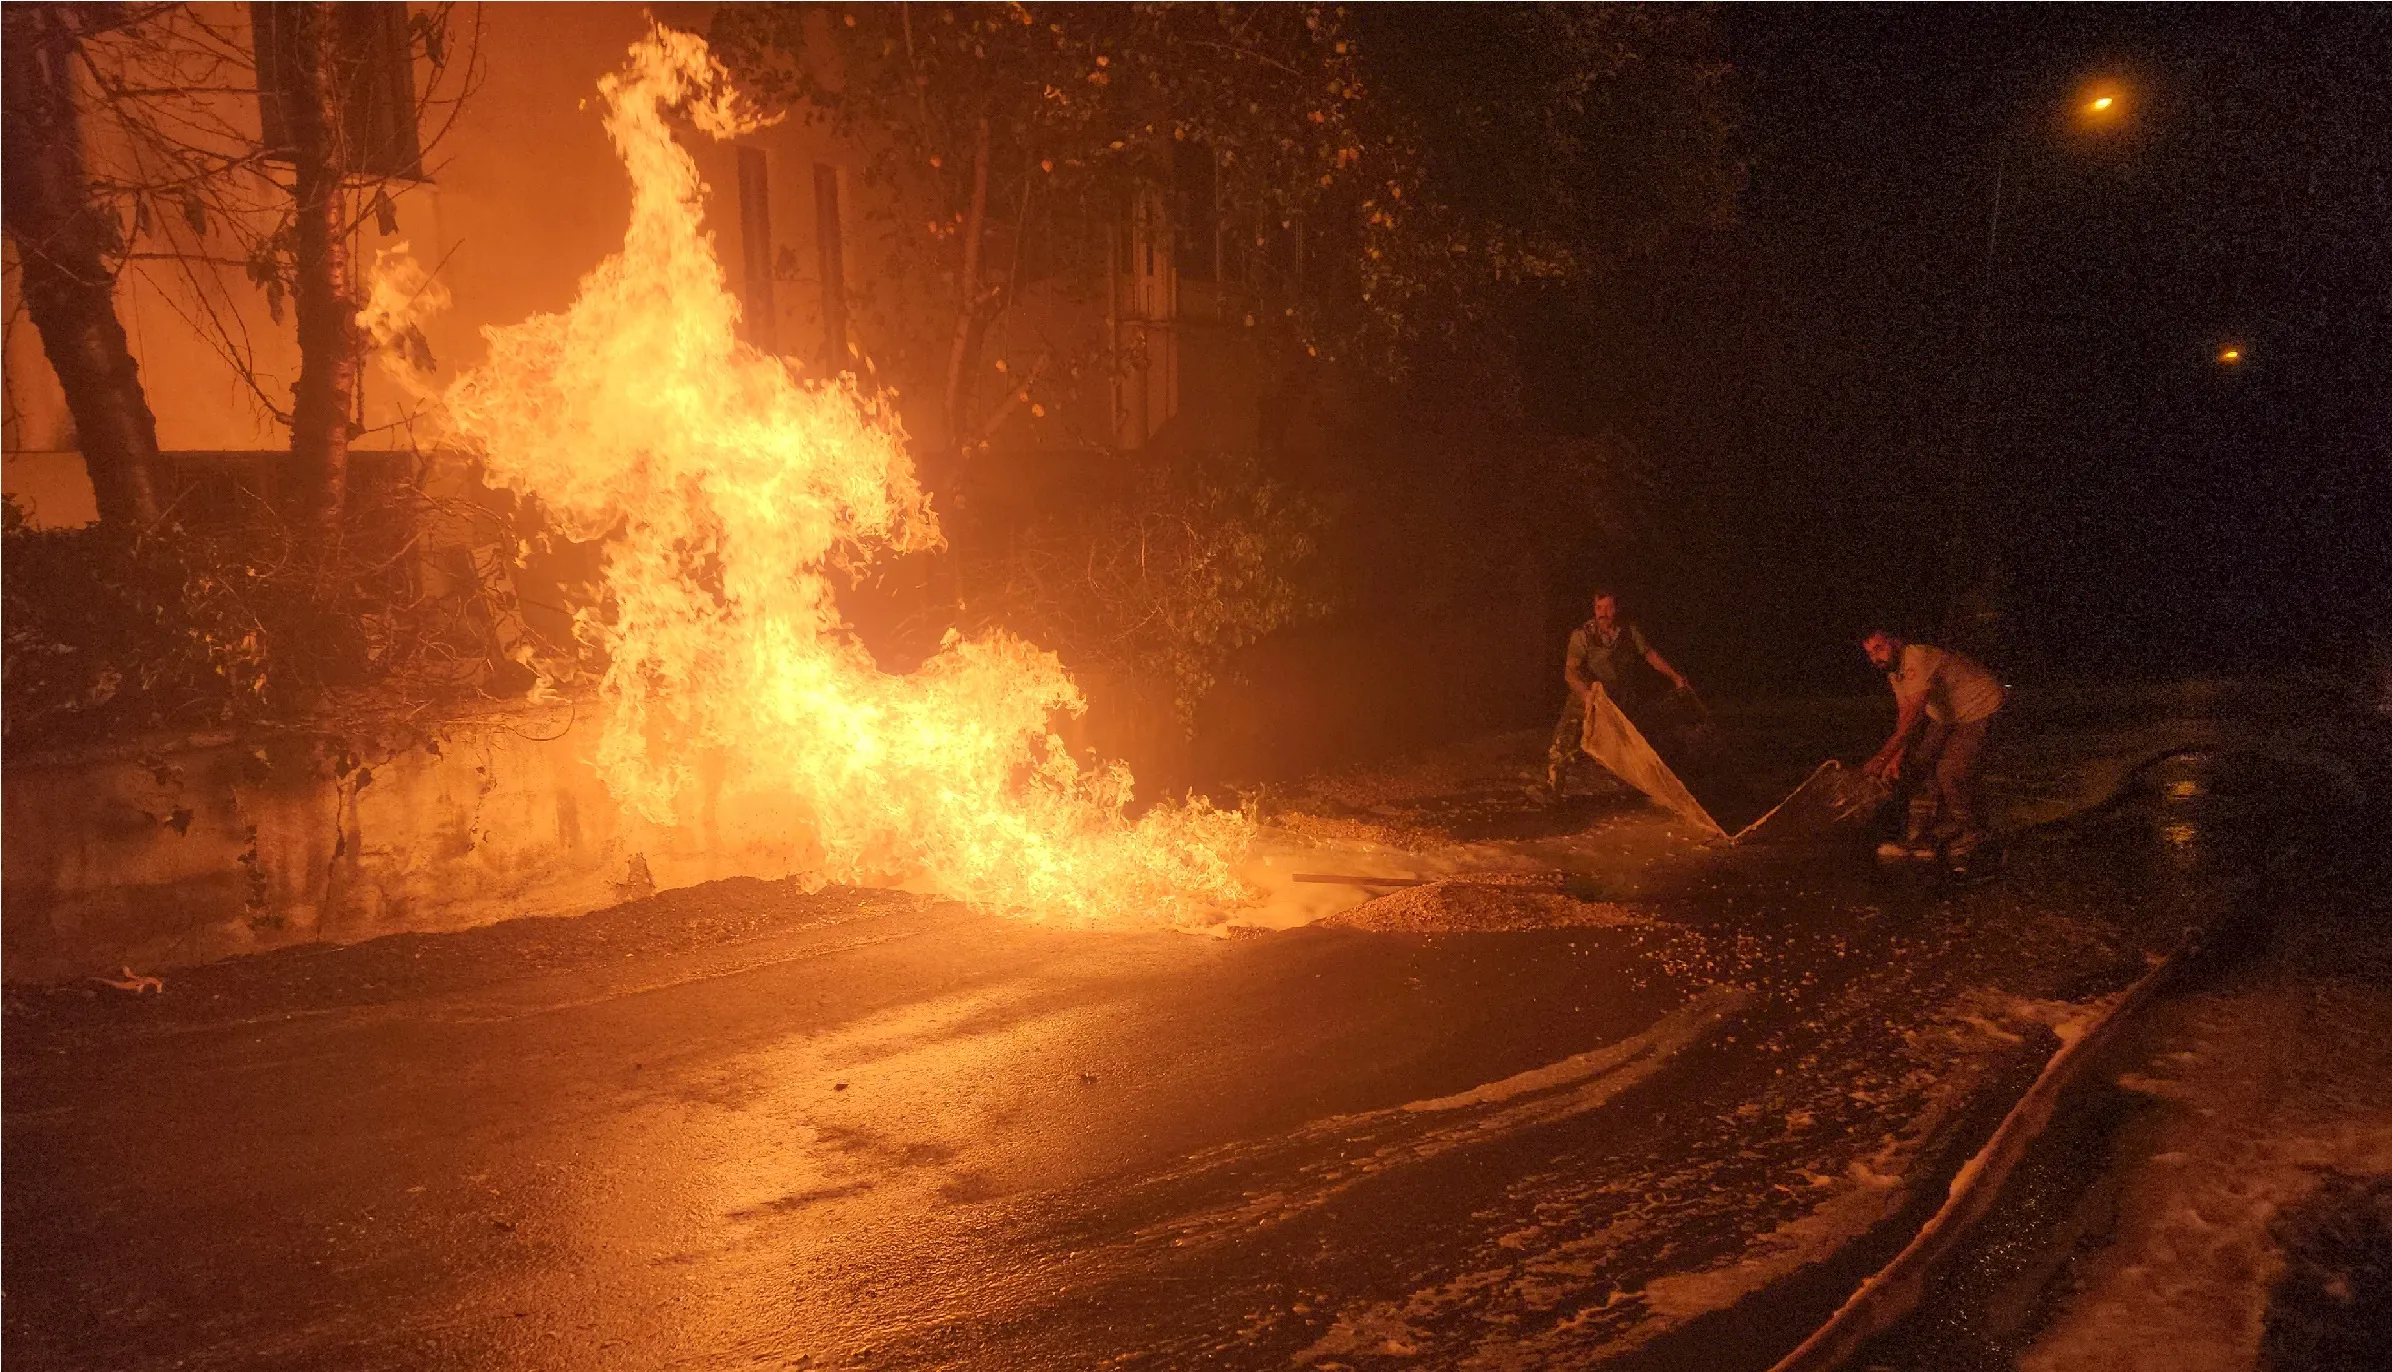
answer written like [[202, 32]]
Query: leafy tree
[[1381, 187], [1166, 577], [1377, 178], [218, 151], [1541, 145], [1006, 142]]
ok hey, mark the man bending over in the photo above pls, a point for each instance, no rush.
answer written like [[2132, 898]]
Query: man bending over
[[1945, 701]]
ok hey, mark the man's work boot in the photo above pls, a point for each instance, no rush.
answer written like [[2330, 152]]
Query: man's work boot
[[1916, 843], [1548, 790]]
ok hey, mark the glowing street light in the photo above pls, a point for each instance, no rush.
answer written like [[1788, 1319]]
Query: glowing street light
[[2101, 106], [2099, 109], [2101, 101]]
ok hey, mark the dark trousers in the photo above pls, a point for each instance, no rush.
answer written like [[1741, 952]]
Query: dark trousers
[[1942, 774], [1567, 732]]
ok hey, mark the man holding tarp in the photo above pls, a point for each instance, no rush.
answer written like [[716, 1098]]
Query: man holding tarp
[[1955, 699], [1605, 651]]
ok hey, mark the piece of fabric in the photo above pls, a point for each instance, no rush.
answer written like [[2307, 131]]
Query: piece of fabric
[[1832, 799], [1955, 689], [1613, 739]]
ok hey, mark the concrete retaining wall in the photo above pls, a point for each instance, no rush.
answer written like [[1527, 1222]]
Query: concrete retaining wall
[[174, 851], [189, 850]]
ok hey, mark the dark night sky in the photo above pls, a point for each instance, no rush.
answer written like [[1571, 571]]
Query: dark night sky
[[1801, 378]]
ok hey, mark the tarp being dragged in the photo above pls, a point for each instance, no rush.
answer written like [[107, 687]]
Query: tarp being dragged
[[1832, 798]]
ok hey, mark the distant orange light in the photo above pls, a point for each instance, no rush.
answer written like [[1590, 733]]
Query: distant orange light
[[2230, 356], [2101, 103]]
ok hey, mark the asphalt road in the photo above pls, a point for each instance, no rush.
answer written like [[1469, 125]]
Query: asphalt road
[[742, 1125]]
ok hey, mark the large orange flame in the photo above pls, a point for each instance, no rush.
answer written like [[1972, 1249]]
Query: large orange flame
[[723, 488]]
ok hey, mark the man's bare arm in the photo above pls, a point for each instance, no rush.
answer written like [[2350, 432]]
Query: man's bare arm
[[1908, 711], [1658, 663]]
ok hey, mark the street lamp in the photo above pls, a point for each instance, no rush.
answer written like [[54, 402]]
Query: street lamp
[[1974, 612], [2102, 102]]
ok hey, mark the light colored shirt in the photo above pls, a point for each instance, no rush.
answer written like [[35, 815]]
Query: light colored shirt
[[1956, 689]]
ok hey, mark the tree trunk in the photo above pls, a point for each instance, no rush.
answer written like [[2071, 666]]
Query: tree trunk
[[63, 237], [329, 356]]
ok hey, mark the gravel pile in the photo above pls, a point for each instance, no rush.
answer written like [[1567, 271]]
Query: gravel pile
[[1486, 904]]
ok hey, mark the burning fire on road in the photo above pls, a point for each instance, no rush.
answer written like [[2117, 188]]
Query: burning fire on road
[[726, 489]]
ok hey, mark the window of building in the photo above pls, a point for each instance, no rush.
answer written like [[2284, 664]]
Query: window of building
[[1143, 307], [1196, 210], [755, 248], [831, 249]]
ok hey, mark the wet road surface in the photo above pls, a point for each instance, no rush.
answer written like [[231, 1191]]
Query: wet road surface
[[2216, 1192], [743, 1125]]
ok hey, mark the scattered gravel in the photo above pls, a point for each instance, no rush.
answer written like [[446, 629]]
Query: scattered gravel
[[1483, 904]]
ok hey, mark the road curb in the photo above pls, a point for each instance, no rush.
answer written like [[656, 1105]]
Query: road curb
[[1893, 1291]]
